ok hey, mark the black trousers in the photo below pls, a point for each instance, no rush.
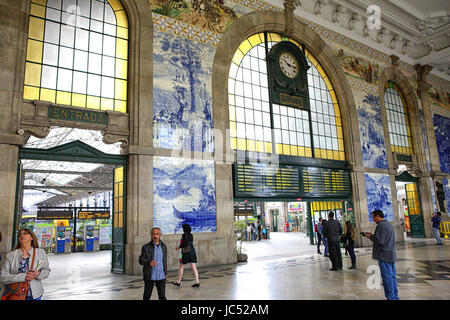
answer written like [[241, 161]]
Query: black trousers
[[334, 251], [160, 287], [319, 241]]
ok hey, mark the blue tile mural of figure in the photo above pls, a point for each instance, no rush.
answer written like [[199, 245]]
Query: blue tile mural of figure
[[184, 192], [373, 146], [182, 111], [379, 196], [446, 183], [442, 133]]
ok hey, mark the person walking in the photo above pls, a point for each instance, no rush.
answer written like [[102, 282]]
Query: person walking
[[349, 234], [332, 231], [26, 263], [153, 258], [259, 231], [249, 232], [188, 255], [436, 227], [384, 251], [324, 240], [318, 227]]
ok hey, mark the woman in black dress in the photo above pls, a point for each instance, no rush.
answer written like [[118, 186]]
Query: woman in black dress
[[188, 255]]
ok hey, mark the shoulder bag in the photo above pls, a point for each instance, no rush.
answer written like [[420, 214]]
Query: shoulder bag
[[187, 247], [18, 290]]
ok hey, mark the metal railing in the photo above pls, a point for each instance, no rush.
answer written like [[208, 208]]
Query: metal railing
[[445, 229]]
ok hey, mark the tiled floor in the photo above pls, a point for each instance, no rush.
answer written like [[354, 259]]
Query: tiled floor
[[283, 268]]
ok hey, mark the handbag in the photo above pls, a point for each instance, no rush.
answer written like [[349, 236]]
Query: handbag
[[17, 290], [187, 248]]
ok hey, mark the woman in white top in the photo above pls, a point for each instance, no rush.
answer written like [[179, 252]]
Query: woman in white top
[[16, 265]]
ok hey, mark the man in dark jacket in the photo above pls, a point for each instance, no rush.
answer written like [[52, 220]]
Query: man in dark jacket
[[332, 231], [384, 251], [436, 227], [154, 259]]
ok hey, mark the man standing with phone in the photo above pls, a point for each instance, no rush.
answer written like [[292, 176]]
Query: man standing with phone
[[154, 259], [384, 251]]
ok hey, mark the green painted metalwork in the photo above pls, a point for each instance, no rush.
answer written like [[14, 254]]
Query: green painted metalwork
[[76, 151]]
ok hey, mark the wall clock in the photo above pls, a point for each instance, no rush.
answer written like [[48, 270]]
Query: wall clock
[[288, 82]]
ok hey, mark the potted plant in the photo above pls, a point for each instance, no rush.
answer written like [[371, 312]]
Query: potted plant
[[240, 227]]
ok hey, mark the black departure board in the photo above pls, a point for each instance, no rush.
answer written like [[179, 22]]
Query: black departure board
[[93, 214], [319, 182], [266, 181], [54, 214], [261, 180]]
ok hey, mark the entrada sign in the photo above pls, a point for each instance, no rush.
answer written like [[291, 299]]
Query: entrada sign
[[78, 115]]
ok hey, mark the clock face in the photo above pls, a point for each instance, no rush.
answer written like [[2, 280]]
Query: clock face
[[288, 64]]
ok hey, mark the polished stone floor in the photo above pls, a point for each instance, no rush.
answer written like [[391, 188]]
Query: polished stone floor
[[285, 267]]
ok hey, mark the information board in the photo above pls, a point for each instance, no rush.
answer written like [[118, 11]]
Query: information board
[[47, 214], [44, 234], [105, 234], [97, 214]]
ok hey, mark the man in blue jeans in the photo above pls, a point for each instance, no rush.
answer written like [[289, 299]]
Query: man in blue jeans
[[436, 226], [384, 251]]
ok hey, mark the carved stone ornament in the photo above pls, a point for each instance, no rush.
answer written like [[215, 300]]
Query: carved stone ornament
[[110, 138], [38, 132]]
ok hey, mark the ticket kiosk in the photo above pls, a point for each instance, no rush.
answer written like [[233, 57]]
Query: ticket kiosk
[[63, 234], [91, 238]]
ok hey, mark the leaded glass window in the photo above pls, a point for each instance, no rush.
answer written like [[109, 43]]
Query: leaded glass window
[[314, 133], [77, 54], [398, 120]]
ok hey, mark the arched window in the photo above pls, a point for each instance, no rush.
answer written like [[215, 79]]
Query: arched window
[[398, 120], [257, 124], [77, 54]]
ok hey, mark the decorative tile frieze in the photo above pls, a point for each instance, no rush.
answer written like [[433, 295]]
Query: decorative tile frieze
[[440, 111], [185, 30], [362, 85]]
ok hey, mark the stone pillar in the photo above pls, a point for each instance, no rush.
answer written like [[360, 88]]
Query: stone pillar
[[13, 24], [435, 173]]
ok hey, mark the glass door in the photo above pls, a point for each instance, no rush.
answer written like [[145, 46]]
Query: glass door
[[415, 215], [118, 223]]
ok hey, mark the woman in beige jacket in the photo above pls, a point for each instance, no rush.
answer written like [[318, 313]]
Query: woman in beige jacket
[[16, 265]]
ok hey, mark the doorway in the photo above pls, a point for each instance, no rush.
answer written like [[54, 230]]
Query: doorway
[[410, 213], [72, 194]]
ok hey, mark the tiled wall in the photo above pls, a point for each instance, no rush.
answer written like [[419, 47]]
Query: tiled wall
[[183, 192], [379, 194], [373, 146], [442, 132], [182, 112]]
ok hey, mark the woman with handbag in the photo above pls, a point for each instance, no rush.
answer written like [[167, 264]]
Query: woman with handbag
[[24, 269], [188, 255]]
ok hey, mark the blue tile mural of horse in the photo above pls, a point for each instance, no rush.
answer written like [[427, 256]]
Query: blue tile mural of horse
[[373, 146], [183, 192]]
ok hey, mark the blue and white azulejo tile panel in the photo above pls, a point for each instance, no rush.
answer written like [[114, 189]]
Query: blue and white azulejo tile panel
[[379, 196], [373, 146], [184, 192], [442, 133], [182, 110], [447, 194]]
